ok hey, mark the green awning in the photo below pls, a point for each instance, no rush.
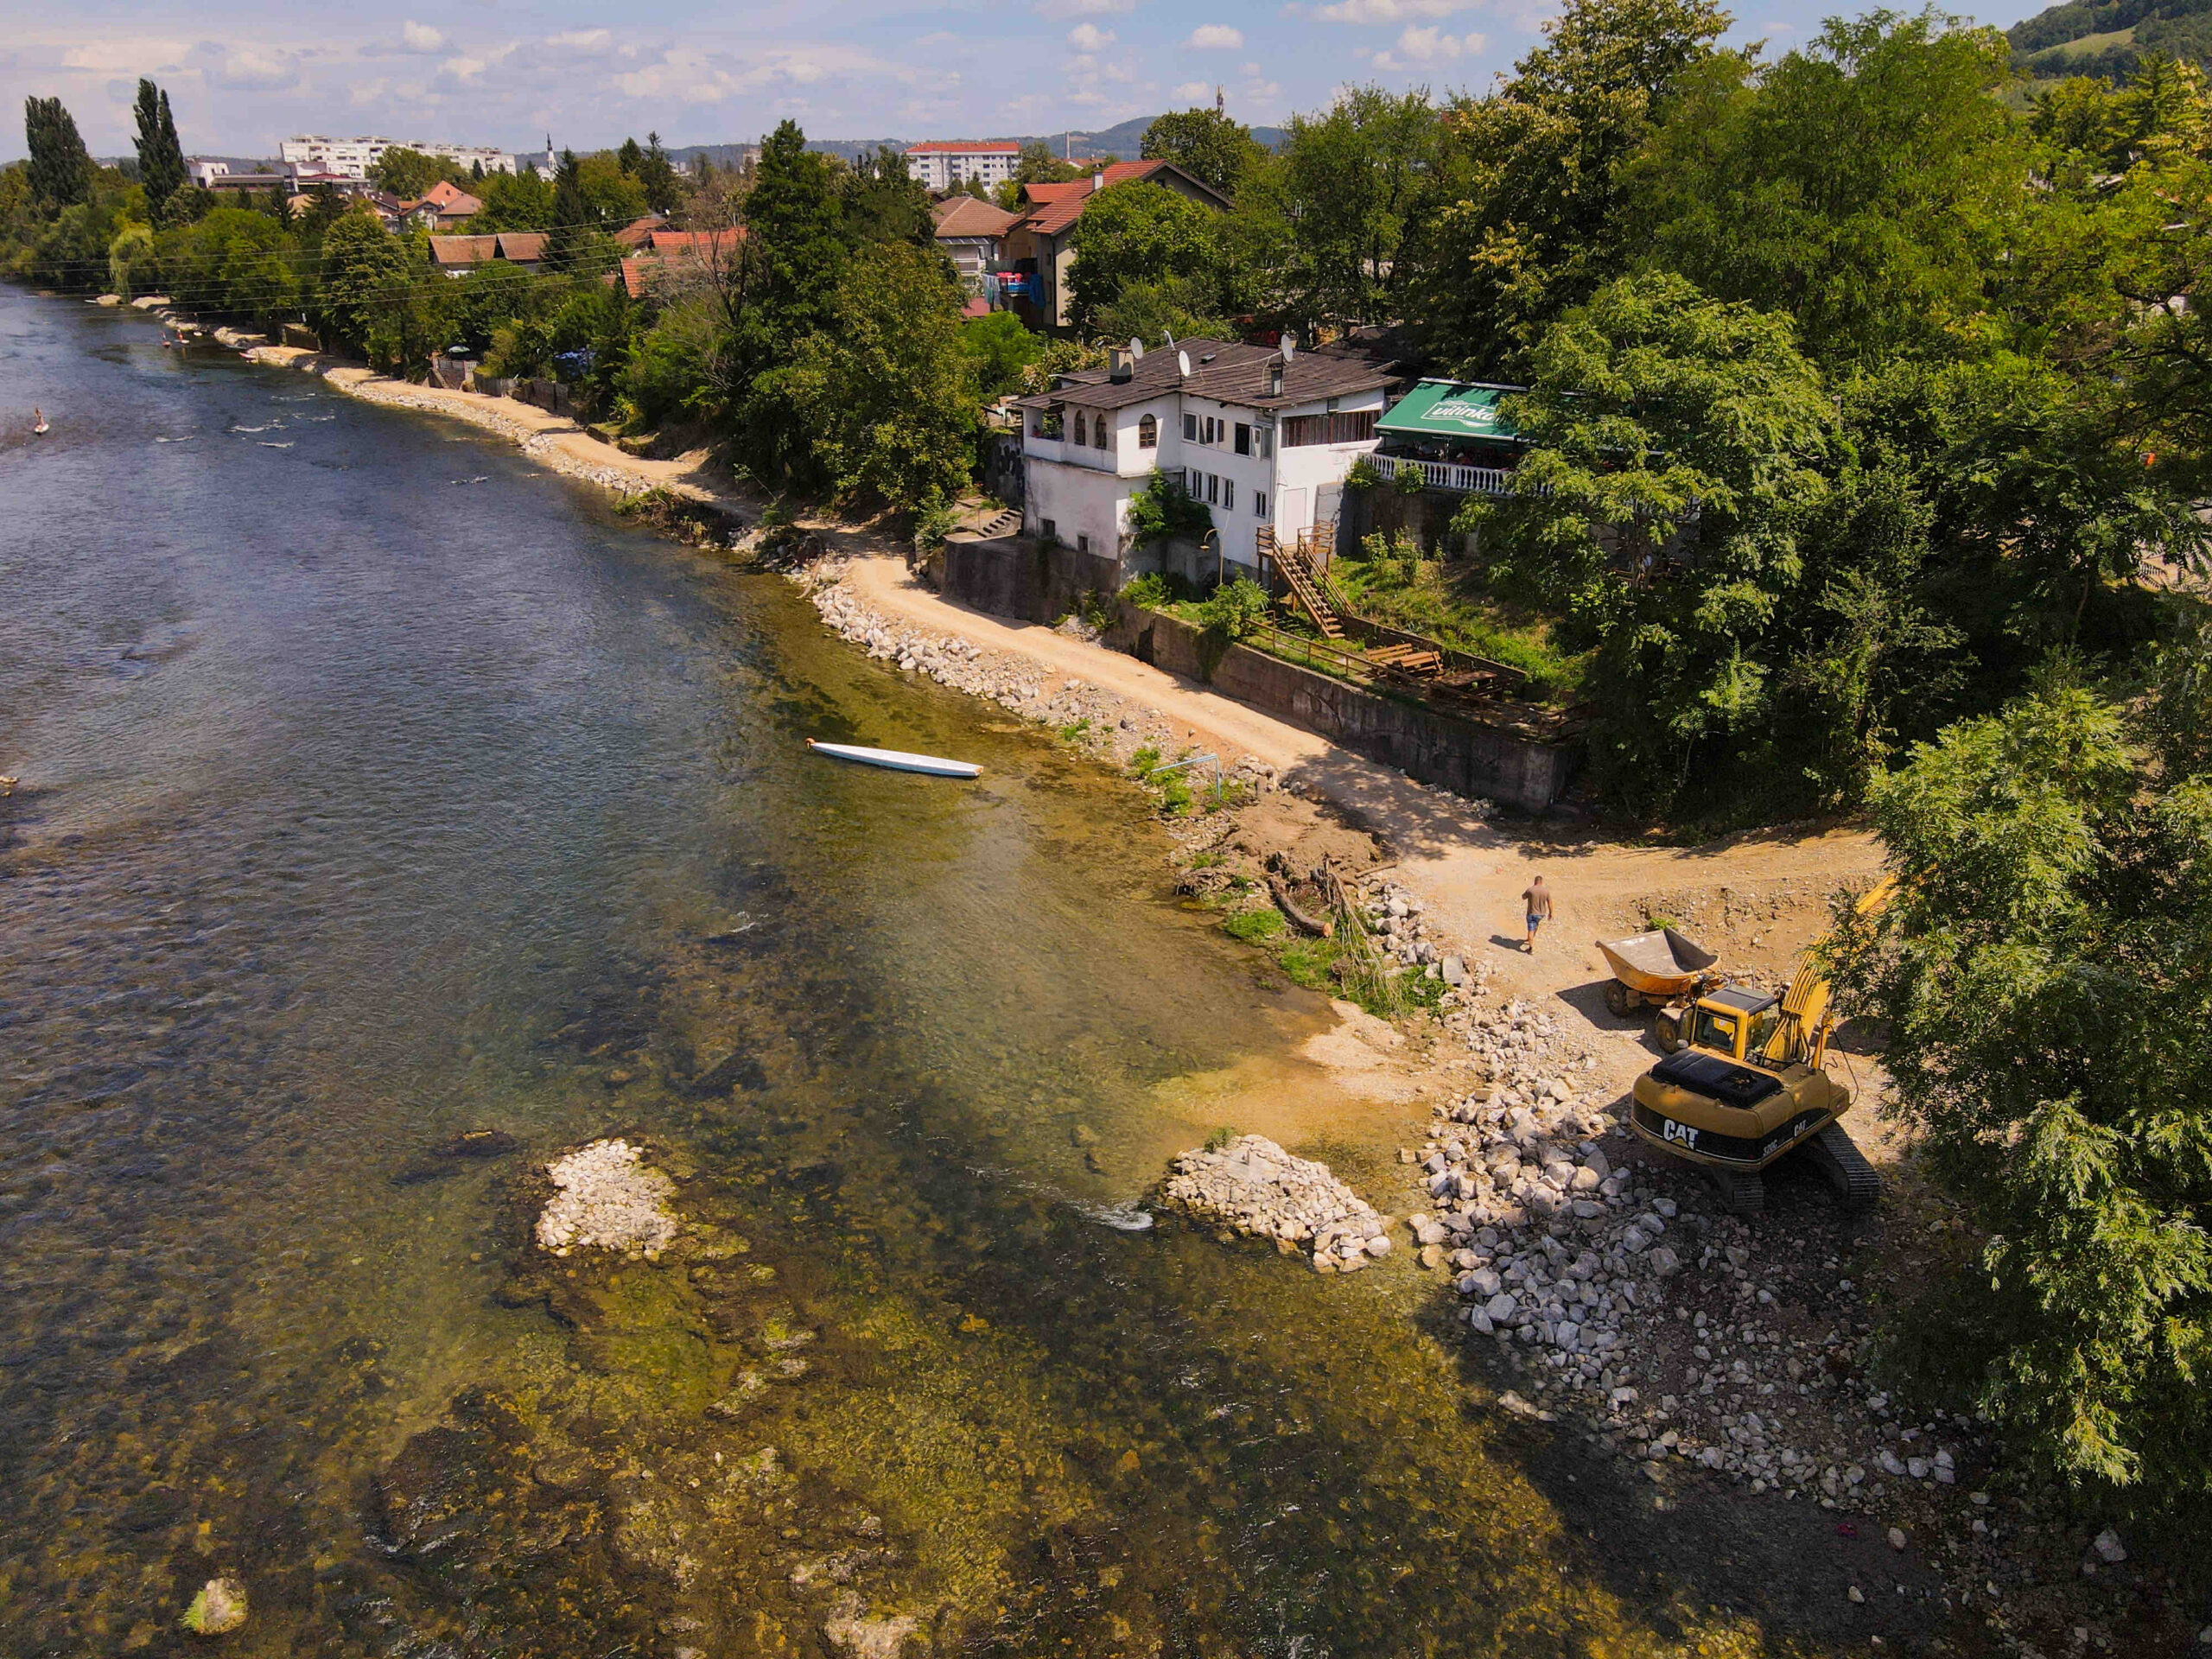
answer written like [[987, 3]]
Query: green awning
[[1450, 409]]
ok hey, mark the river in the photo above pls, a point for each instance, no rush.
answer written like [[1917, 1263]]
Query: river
[[376, 788]]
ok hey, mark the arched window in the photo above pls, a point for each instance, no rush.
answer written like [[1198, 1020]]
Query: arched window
[[1082, 432], [1102, 435], [1148, 433]]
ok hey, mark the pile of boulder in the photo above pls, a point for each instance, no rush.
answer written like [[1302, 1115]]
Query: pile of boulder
[[1573, 1259], [608, 1198], [1251, 1187], [1404, 934]]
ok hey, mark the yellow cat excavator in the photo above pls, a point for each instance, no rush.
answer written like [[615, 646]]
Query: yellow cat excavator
[[1750, 1086]]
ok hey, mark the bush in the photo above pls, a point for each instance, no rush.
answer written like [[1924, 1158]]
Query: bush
[[1164, 512], [1157, 590], [1236, 609]]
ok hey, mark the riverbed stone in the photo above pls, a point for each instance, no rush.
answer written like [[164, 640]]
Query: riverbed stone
[[218, 1609], [608, 1198]]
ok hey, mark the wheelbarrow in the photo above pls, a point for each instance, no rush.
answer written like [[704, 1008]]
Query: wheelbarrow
[[1653, 969]]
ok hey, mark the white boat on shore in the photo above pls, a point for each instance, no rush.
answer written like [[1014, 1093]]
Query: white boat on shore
[[897, 760]]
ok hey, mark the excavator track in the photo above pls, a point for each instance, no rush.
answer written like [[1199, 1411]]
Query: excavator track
[[1839, 1159], [1741, 1192]]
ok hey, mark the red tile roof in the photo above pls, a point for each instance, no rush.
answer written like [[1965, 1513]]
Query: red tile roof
[[634, 233], [958, 216], [1059, 205], [452, 250], [695, 241]]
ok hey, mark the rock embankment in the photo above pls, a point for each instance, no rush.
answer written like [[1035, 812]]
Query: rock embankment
[[608, 1198], [1252, 1186], [1109, 727], [1650, 1315]]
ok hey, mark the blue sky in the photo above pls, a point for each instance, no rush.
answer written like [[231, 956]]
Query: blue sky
[[503, 73]]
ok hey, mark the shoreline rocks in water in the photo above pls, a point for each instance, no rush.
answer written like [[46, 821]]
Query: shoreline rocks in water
[[609, 1199], [1254, 1187], [218, 1609]]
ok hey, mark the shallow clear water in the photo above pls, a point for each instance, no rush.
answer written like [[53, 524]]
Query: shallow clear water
[[377, 789]]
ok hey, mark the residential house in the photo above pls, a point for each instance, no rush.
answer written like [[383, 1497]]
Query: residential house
[[457, 255], [443, 206], [942, 165], [1264, 437], [634, 235], [675, 259], [1454, 434], [1040, 246], [972, 234]]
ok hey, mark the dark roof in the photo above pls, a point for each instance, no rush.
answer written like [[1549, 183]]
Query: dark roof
[[1224, 370]]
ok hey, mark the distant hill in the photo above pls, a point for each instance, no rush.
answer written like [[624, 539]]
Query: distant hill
[[2106, 37], [1123, 142]]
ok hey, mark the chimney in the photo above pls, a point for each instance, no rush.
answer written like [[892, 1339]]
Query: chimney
[[1274, 379], [1098, 179], [1119, 368]]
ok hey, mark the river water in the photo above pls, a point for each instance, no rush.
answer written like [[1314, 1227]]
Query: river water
[[375, 789]]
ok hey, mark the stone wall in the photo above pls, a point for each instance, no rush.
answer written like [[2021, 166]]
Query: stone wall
[[1449, 751], [1015, 576]]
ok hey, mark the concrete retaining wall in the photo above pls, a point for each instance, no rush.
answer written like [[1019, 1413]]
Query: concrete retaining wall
[[1020, 578], [1464, 756], [1013, 576]]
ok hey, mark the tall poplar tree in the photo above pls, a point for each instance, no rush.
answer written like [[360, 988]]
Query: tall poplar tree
[[60, 170], [160, 158]]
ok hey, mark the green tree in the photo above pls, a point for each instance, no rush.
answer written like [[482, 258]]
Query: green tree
[[657, 178], [60, 169], [1865, 185], [1205, 143], [576, 244], [1002, 351], [1180, 306], [513, 201], [161, 157], [1133, 233], [408, 174], [1035, 165], [2045, 973], [1340, 196], [884, 394], [884, 202], [1676, 444], [1523, 215], [363, 267]]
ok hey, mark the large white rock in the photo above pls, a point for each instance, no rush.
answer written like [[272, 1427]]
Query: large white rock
[[609, 1199]]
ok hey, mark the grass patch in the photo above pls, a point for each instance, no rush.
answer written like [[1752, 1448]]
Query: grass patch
[[1254, 926], [1208, 860], [1221, 1139], [1074, 729], [1448, 603]]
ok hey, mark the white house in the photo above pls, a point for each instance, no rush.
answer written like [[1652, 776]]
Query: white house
[[1262, 437], [946, 164]]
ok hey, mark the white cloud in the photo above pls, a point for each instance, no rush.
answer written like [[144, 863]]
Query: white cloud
[[585, 38], [124, 57], [1215, 36], [1083, 8], [1088, 37], [1425, 46], [460, 73], [420, 37], [248, 71], [1193, 91], [1388, 11]]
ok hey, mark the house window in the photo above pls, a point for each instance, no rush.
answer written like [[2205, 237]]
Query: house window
[[1190, 429], [1345, 426], [1213, 489], [1100, 435], [1259, 504], [1263, 443], [1082, 430], [1243, 439], [1051, 530], [1148, 433], [1082, 542], [1229, 495]]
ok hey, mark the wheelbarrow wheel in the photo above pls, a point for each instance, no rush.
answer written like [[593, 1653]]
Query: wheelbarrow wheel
[[1620, 1002]]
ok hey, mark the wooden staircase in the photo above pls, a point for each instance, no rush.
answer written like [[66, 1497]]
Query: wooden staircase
[[1304, 583]]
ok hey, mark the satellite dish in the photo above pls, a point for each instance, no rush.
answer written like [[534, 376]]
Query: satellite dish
[[1182, 364], [1289, 346], [1136, 348], [1168, 334]]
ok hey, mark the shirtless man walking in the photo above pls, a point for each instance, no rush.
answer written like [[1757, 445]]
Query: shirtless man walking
[[1536, 902]]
